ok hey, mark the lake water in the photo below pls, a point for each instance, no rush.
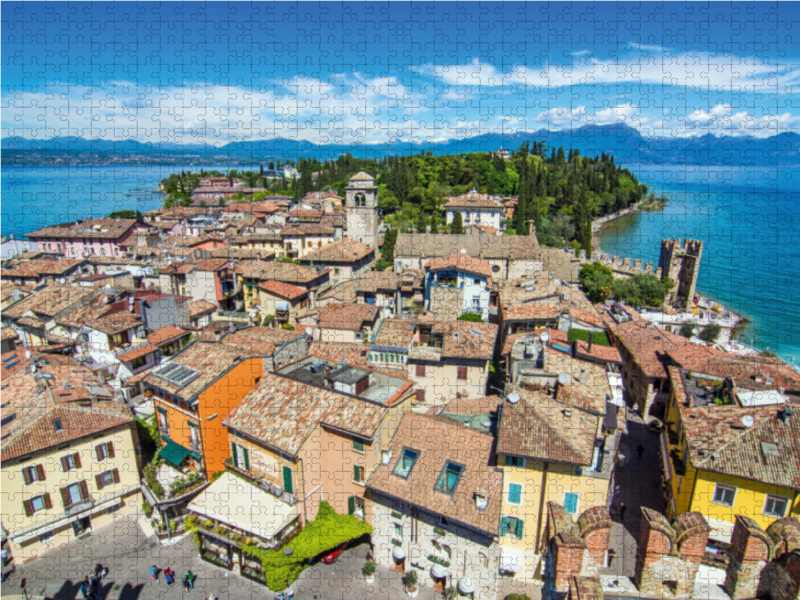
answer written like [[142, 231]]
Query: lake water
[[749, 220]]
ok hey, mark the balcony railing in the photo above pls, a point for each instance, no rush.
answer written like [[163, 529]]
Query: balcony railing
[[261, 483], [78, 506], [125, 348]]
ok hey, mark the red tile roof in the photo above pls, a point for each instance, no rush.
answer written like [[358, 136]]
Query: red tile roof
[[282, 289], [165, 334], [143, 350]]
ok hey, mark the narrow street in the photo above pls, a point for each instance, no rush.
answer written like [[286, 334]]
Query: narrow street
[[638, 483]]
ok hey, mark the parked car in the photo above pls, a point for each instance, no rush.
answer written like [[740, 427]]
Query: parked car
[[331, 557]]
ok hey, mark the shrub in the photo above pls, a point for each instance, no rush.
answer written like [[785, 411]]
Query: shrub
[[600, 338], [368, 569], [410, 579], [471, 317], [710, 333], [597, 281], [450, 593], [147, 509], [687, 330]]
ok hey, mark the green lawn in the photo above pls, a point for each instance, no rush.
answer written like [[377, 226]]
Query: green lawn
[[600, 338]]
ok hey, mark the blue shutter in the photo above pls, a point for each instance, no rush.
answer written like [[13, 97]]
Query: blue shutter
[[514, 493], [504, 526], [519, 529], [571, 502], [509, 461]]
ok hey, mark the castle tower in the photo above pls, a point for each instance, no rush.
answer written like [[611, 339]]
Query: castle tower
[[680, 261], [361, 205]]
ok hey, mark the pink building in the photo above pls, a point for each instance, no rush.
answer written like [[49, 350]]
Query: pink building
[[82, 239]]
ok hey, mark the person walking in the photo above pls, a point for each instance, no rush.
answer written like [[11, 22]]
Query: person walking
[[153, 572], [185, 583], [169, 576], [190, 577]]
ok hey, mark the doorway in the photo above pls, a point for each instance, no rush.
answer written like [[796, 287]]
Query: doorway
[[81, 526]]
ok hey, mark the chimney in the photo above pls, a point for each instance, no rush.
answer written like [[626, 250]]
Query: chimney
[[582, 377], [481, 499]]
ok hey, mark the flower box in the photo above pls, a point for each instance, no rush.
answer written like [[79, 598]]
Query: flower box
[[438, 560], [397, 542], [439, 531], [397, 515]]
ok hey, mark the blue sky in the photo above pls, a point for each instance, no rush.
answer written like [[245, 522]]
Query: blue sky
[[341, 72]]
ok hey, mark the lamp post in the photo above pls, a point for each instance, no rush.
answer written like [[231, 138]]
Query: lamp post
[[22, 585]]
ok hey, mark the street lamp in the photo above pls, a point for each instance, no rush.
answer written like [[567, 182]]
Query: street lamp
[[22, 585]]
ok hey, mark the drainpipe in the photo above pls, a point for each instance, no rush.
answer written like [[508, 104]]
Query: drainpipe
[[541, 507]]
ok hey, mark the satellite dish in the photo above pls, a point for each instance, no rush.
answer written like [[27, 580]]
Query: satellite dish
[[545, 337], [309, 331], [563, 379], [463, 251], [748, 421], [252, 314], [513, 397]]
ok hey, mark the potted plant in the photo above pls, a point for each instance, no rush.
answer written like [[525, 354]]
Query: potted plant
[[450, 593], [369, 571], [410, 581]]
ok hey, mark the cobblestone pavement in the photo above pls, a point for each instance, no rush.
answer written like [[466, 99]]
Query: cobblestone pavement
[[637, 484], [128, 554]]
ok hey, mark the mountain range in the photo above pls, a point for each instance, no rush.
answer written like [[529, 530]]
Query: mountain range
[[624, 142]]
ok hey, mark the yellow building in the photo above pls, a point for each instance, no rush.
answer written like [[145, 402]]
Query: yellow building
[[550, 450], [69, 459], [728, 451]]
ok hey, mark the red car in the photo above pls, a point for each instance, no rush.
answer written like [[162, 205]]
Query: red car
[[331, 557]]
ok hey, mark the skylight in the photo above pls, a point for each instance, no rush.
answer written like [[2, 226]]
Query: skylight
[[58, 425], [177, 374], [406, 463], [448, 480], [770, 449]]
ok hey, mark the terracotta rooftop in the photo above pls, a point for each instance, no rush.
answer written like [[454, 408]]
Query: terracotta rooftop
[[474, 200], [461, 262], [531, 311], [198, 308], [38, 268], [282, 289], [49, 300], [587, 316], [280, 271], [603, 353], [648, 345], [213, 264], [116, 323], [350, 317], [283, 412], [90, 311], [299, 229], [351, 353], [473, 406], [258, 341], [437, 443], [143, 350], [538, 427], [344, 251], [210, 359], [165, 334], [91, 229], [522, 247]]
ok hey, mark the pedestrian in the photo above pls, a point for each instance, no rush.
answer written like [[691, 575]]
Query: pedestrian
[[169, 576], [640, 450], [153, 572], [185, 583], [212, 597], [103, 573], [94, 586], [191, 577], [86, 590], [611, 554], [622, 509]]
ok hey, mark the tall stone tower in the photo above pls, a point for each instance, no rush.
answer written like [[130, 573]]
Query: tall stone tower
[[361, 205], [680, 261]]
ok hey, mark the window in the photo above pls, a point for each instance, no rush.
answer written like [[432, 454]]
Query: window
[[241, 457], [724, 494], [476, 302], [398, 530], [75, 494], [107, 478], [514, 493], [70, 462], [775, 506], [104, 451], [37, 503], [138, 362], [358, 445], [448, 480], [461, 373], [288, 483], [420, 369], [571, 502], [355, 506], [511, 527], [406, 463], [515, 461], [163, 420], [194, 433], [419, 396], [34, 473], [483, 560], [358, 474], [58, 425], [46, 536]]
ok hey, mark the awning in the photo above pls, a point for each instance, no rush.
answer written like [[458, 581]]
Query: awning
[[398, 553], [439, 571], [238, 504], [512, 560], [173, 453], [466, 585]]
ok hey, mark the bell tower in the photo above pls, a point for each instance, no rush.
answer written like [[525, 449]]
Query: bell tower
[[361, 205]]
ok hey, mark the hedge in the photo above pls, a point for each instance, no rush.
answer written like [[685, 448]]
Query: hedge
[[600, 338], [328, 531]]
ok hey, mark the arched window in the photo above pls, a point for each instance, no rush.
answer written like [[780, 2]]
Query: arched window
[[483, 560]]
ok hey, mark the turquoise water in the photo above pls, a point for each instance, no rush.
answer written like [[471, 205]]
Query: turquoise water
[[749, 220]]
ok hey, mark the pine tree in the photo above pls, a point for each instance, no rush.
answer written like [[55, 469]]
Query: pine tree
[[389, 242], [457, 226]]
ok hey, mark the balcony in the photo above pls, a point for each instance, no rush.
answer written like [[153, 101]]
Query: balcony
[[420, 352], [125, 348], [261, 483], [79, 506]]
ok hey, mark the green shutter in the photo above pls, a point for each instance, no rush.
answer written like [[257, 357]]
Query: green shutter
[[519, 529], [514, 493], [234, 454], [504, 526], [509, 461], [356, 474], [351, 505], [287, 480], [358, 445], [246, 454]]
